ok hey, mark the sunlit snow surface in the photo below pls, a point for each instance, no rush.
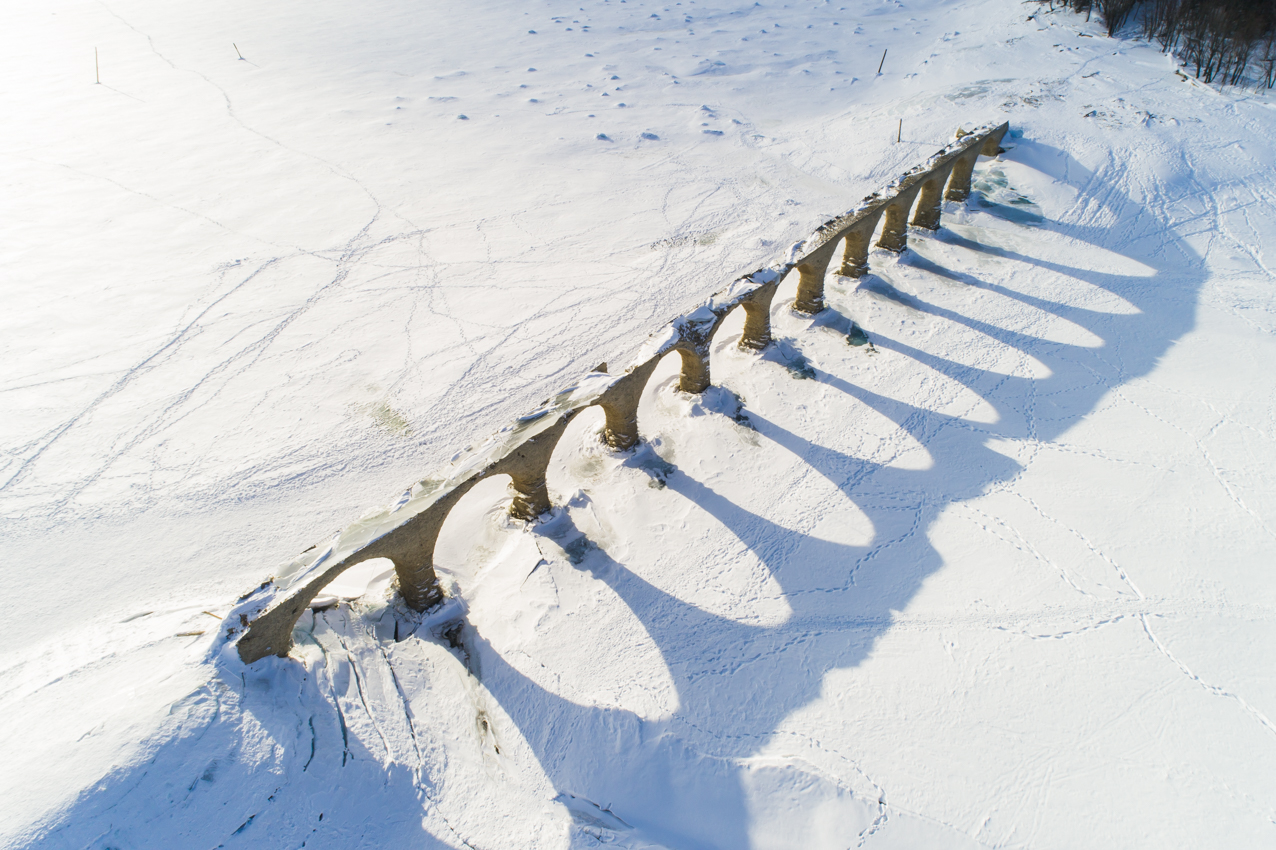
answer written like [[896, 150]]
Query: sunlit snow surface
[[1002, 578]]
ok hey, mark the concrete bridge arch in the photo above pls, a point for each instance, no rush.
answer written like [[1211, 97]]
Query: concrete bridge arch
[[407, 531]]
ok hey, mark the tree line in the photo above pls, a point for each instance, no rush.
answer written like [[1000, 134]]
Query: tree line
[[1220, 40]]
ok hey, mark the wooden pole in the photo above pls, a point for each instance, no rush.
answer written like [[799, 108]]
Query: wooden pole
[[899, 134], [883, 62], [97, 70], [237, 53]]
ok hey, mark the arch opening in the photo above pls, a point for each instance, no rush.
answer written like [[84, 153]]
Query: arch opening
[[662, 398], [734, 353], [581, 456], [731, 328], [474, 532], [370, 576], [786, 288]]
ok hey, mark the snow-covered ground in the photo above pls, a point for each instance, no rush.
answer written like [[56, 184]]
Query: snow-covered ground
[[1002, 578]]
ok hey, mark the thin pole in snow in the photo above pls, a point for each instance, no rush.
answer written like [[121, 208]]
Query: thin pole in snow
[[237, 53], [899, 134], [97, 70], [883, 62]]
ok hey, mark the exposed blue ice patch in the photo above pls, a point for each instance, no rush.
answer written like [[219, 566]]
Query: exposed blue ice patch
[[994, 194]]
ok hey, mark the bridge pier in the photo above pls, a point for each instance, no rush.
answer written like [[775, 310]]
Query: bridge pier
[[526, 466], [620, 406], [930, 200], [895, 227], [757, 318], [858, 241], [811, 271]]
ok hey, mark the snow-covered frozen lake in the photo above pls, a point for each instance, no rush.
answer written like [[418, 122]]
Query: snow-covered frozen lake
[[1002, 578]]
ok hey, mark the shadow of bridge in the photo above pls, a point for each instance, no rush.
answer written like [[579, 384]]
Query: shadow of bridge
[[680, 780]]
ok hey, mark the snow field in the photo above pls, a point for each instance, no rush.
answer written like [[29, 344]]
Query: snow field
[[999, 581]]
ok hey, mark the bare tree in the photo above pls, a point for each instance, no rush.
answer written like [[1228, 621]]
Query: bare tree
[[1220, 40], [1267, 61], [1115, 13]]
